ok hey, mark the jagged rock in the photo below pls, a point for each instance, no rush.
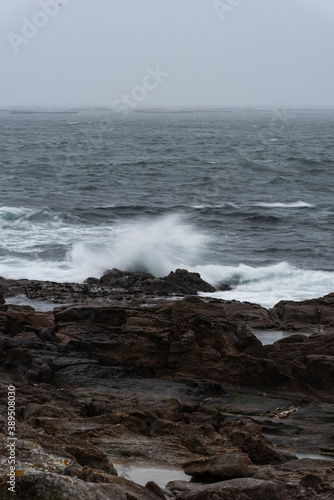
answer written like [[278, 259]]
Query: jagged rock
[[307, 315], [260, 450], [188, 283], [21, 318], [100, 383], [308, 359]]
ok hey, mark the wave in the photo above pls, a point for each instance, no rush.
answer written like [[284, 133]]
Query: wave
[[295, 204], [56, 250], [268, 285], [200, 206], [17, 215], [155, 245]]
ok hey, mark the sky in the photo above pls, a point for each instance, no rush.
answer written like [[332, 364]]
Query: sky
[[167, 53]]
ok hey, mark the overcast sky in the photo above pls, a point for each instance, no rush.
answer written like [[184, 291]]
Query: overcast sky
[[179, 53]]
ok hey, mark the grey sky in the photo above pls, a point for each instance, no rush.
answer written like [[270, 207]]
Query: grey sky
[[216, 52]]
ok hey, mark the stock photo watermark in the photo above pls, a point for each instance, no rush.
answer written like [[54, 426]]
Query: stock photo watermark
[[93, 139], [32, 25], [226, 7], [11, 439]]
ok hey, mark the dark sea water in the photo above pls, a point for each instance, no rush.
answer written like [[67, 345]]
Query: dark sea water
[[243, 197]]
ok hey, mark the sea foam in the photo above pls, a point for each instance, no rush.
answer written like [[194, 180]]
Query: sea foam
[[294, 204]]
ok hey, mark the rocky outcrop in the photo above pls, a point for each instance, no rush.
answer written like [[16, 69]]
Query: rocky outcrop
[[182, 383], [114, 286], [308, 315], [188, 283]]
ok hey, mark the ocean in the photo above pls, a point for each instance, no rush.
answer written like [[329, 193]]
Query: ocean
[[244, 197]]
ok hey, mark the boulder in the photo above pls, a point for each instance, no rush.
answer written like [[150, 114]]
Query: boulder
[[218, 468], [188, 283], [260, 450]]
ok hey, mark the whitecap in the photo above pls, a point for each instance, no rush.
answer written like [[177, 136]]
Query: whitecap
[[294, 204], [268, 285]]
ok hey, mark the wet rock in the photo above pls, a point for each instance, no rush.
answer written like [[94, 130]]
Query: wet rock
[[188, 283], [214, 469], [99, 383], [223, 287], [248, 488], [307, 315]]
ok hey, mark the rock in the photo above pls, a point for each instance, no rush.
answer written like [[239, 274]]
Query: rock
[[188, 337], [104, 382], [92, 457], [132, 490], [320, 371], [155, 488], [25, 364], [308, 359], [19, 318], [188, 283], [90, 475], [218, 468], [313, 482], [244, 488], [3, 306], [223, 287], [306, 315], [260, 450], [180, 282], [39, 486]]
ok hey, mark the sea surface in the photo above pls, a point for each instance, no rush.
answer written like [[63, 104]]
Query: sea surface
[[244, 197]]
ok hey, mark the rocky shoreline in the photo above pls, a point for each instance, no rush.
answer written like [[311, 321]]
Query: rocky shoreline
[[132, 369]]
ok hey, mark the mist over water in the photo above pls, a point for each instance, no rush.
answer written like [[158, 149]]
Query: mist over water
[[239, 196]]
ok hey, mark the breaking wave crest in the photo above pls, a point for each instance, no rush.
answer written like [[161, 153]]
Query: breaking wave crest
[[41, 244], [270, 284], [295, 204]]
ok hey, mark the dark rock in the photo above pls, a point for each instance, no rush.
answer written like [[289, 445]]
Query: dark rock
[[219, 468], [92, 457], [307, 315], [160, 386], [223, 287], [19, 318], [37, 485], [132, 490], [188, 283], [313, 482], [245, 488], [260, 450], [155, 488], [27, 365]]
